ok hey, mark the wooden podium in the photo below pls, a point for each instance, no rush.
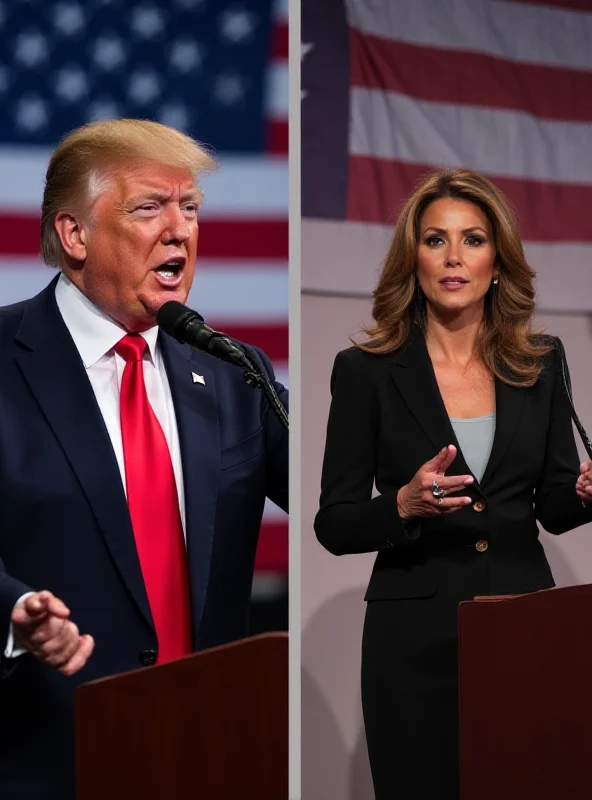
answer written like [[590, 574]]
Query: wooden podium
[[211, 725], [525, 669]]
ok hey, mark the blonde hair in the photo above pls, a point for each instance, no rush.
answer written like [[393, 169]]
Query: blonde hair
[[79, 168], [508, 346]]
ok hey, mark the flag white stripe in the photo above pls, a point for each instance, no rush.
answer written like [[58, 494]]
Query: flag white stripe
[[230, 191], [492, 141], [248, 187], [280, 369], [563, 275], [273, 513], [278, 95], [533, 34], [241, 294], [563, 270], [234, 294], [280, 12]]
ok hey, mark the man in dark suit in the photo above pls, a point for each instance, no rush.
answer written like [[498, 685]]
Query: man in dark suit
[[133, 470]]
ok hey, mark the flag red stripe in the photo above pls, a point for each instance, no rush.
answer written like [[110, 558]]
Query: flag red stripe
[[272, 550], [547, 212], [232, 239], [277, 137], [272, 339], [475, 79], [19, 235], [279, 42], [244, 239]]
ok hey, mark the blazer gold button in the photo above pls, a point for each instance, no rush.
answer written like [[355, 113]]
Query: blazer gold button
[[479, 505], [481, 545]]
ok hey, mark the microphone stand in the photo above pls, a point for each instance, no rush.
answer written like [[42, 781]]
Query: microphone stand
[[257, 378]]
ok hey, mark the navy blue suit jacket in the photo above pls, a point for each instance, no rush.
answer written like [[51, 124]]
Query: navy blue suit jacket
[[65, 526]]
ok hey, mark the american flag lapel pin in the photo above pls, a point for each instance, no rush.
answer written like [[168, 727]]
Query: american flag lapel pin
[[198, 378]]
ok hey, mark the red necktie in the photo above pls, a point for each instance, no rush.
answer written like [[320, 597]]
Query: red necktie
[[154, 507]]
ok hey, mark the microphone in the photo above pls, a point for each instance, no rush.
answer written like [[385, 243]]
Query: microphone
[[188, 327]]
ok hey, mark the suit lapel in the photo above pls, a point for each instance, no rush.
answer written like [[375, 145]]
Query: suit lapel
[[196, 409], [414, 376], [57, 378], [509, 401]]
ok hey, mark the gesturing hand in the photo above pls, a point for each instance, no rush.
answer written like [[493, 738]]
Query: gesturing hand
[[584, 482], [416, 499], [41, 626]]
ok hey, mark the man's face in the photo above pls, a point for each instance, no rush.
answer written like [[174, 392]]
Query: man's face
[[141, 244]]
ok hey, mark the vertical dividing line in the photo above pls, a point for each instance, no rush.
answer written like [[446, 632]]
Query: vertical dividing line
[[294, 160]]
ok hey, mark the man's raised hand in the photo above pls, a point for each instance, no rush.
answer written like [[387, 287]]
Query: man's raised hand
[[41, 625]]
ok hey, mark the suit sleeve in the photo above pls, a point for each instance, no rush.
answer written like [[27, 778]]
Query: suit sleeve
[[10, 592], [350, 520], [276, 437], [557, 506]]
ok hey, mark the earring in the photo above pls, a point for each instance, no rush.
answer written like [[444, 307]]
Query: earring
[[495, 281]]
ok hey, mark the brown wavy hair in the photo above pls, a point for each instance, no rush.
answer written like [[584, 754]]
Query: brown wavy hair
[[508, 346]]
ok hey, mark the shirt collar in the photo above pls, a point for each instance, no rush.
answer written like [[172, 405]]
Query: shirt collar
[[94, 333]]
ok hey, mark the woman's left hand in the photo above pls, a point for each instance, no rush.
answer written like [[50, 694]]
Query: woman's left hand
[[584, 482]]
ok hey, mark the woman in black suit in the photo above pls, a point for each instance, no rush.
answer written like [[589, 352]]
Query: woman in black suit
[[454, 409]]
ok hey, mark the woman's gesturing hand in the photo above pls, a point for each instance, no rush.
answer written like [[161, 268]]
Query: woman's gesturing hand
[[584, 483], [416, 498]]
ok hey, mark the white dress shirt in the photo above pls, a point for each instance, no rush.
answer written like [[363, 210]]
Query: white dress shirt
[[95, 335]]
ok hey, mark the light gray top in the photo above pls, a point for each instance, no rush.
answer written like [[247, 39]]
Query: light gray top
[[475, 437]]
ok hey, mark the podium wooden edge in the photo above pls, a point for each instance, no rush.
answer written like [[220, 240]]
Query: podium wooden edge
[[493, 598], [578, 589], [502, 598], [237, 643]]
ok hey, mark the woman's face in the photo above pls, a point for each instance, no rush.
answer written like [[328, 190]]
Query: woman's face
[[455, 256]]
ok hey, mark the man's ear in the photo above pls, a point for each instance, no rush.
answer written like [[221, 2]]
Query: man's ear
[[72, 235]]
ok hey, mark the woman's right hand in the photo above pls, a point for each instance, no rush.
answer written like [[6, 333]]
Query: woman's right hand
[[416, 498]]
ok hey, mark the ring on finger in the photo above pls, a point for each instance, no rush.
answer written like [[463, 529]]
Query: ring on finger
[[437, 492]]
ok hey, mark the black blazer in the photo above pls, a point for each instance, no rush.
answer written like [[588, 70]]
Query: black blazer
[[387, 418]]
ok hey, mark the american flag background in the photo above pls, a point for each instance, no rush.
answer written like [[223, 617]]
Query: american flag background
[[394, 89], [217, 69]]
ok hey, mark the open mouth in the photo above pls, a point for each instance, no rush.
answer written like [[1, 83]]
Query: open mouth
[[170, 273]]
